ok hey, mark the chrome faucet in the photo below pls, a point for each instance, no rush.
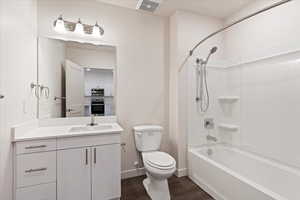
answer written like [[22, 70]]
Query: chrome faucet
[[211, 138], [92, 121]]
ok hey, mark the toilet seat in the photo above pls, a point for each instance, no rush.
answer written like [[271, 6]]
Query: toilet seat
[[160, 160]]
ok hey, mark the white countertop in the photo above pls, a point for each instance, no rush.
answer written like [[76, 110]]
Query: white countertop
[[53, 132]]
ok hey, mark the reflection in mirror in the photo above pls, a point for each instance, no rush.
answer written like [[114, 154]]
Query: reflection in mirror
[[76, 79]]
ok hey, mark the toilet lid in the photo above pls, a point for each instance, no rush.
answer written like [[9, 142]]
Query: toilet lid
[[160, 160]]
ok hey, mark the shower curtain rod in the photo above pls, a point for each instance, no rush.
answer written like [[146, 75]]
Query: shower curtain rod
[[191, 52]]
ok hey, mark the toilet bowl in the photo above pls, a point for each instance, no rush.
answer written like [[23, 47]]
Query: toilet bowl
[[159, 165]]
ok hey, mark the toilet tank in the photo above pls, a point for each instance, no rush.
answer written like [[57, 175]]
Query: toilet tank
[[147, 137]]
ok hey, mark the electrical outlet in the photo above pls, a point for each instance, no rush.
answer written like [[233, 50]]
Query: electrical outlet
[[123, 146], [209, 123]]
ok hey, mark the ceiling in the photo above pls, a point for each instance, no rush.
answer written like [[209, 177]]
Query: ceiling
[[215, 8]]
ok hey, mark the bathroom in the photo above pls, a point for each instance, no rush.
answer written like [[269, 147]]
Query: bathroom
[[209, 85]]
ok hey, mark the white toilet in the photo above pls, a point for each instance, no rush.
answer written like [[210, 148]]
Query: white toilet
[[159, 165]]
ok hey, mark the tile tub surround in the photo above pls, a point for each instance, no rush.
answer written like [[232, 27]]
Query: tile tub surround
[[180, 188]]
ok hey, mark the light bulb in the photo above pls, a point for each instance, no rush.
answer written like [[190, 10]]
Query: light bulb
[[79, 29], [96, 30], [59, 25]]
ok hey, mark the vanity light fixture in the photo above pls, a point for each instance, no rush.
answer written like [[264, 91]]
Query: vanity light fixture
[[79, 29], [97, 30], [59, 25], [63, 26]]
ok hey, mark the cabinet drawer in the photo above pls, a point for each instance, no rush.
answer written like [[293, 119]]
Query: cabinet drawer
[[35, 146], [86, 141], [36, 168], [39, 192]]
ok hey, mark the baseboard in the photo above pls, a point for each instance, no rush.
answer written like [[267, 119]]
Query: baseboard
[[181, 172], [132, 173]]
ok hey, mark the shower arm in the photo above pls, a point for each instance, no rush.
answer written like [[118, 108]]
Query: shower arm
[[191, 52]]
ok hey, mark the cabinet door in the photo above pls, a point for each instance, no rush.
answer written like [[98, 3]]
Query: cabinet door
[[74, 174], [106, 172]]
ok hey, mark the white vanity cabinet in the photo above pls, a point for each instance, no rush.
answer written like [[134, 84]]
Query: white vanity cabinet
[[69, 168]]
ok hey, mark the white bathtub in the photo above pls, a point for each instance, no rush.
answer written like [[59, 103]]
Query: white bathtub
[[232, 174]]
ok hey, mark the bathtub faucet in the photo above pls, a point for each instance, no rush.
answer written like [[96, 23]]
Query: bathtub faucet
[[211, 138], [92, 121]]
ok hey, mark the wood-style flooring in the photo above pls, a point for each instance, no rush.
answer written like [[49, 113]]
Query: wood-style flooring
[[180, 189]]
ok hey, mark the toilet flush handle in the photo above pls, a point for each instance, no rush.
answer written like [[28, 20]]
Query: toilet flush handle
[[139, 134]]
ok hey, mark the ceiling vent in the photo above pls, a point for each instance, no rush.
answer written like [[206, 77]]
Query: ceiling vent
[[148, 5]]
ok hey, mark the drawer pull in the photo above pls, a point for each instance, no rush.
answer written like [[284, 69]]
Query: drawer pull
[[86, 156], [95, 155], [36, 147], [36, 170]]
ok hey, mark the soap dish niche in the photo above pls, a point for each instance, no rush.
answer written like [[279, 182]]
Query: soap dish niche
[[228, 127], [228, 99]]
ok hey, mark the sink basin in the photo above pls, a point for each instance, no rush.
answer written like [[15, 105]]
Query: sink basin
[[90, 128]]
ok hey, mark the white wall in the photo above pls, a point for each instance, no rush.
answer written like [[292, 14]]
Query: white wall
[[2, 106], [186, 30], [267, 34], [18, 70], [140, 40], [268, 88]]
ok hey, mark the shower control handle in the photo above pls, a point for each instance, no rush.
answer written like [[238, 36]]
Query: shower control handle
[[2, 96]]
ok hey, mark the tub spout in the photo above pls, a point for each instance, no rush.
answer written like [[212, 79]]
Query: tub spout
[[211, 138]]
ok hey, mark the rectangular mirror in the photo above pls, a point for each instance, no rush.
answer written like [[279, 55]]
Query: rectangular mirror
[[76, 79]]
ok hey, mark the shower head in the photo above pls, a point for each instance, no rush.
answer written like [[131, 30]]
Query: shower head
[[212, 51]]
